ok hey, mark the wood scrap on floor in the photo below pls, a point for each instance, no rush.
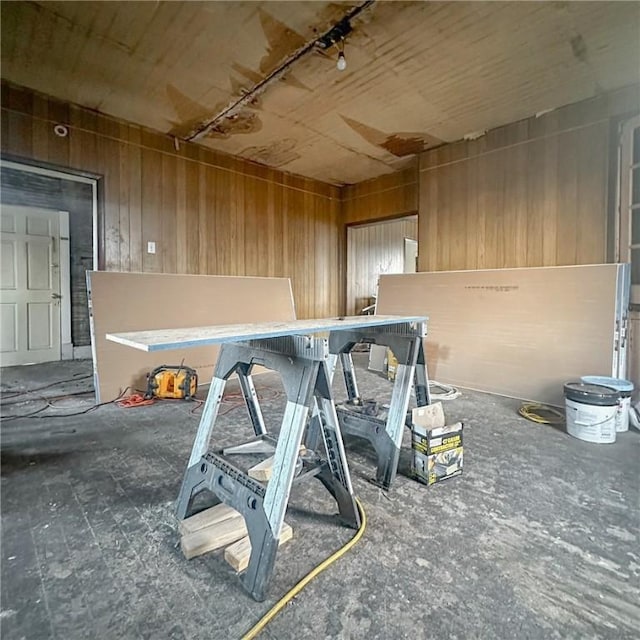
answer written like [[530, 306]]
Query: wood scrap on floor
[[213, 537], [238, 554], [218, 527], [206, 518]]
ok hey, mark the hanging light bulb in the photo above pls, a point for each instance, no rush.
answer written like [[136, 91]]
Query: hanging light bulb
[[341, 65]]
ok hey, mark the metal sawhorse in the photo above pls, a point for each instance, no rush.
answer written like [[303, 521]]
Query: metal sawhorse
[[406, 342], [306, 369]]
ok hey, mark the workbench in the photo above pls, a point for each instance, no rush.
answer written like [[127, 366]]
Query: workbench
[[306, 360]]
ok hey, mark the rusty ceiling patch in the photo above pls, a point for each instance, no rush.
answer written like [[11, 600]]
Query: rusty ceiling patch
[[401, 147], [242, 122], [398, 144], [276, 154]]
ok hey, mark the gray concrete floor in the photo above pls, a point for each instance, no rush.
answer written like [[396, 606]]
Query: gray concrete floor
[[537, 539]]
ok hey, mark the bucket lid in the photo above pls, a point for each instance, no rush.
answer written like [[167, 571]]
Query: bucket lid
[[614, 383], [591, 392]]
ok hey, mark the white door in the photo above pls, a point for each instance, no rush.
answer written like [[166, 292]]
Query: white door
[[410, 255], [29, 286]]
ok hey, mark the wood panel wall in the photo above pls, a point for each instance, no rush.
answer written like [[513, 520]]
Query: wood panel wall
[[390, 196], [533, 193], [372, 250], [208, 213]]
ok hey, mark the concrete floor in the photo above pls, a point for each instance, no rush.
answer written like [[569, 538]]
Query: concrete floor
[[537, 539]]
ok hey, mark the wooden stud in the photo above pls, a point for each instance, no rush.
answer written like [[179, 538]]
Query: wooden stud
[[213, 537], [262, 470], [206, 518], [239, 553]]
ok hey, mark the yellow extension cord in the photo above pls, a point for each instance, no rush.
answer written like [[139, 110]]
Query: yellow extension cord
[[294, 591], [531, 411]]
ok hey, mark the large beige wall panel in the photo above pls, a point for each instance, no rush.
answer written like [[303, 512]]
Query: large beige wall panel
[[516, 332], [142, 301]]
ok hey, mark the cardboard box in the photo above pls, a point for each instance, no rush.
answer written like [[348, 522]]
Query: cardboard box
[[436, 447]]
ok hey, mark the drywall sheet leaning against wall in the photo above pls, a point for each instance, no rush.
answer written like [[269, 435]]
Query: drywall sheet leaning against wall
[[142, 301], [517, 332]]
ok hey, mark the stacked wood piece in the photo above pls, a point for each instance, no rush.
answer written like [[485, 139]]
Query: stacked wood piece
[[219, 527]]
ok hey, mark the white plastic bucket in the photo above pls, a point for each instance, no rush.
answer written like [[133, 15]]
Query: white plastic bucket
[[625, 388], [591, 412]]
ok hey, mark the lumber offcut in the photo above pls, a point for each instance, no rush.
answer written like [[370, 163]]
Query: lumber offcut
[[262, 470], [238, 554], [213, 537], [206, 518]]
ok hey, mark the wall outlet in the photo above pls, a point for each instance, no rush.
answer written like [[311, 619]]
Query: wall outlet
[[151, 247]]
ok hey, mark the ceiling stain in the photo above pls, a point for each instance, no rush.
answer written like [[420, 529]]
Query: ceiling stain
[[282, 40], [276, 154], [242, 122], [401, 147], [255, 78], [292, 81], [188, 112], [249, 74], [398, 144]]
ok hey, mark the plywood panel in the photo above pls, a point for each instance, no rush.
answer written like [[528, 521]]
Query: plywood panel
[[208, 213], [142, 301], [516, 332]]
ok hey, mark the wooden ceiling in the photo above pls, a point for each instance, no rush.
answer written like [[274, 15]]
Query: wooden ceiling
[[418, 73]]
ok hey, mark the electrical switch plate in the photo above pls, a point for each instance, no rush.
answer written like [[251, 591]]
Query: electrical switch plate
[[151, 247]]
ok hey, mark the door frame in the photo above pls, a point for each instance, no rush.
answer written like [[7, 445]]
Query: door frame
[[67, 349]]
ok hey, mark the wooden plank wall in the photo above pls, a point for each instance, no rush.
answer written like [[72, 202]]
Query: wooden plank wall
[[532, 193], [207, 212], [390, 196], [372, 250]]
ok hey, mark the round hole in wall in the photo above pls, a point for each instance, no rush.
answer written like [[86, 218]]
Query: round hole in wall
[[61, 130]]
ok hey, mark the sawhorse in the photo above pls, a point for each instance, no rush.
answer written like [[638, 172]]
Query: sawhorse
[[302, 362], [307, 370], [406, 342]]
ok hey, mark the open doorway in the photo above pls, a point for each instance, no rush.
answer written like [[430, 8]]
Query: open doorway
[[49, 240], [377, 248]]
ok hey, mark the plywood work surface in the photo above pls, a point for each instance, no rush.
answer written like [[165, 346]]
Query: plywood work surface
[[517, 332], [194, 336], [137, 301]]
